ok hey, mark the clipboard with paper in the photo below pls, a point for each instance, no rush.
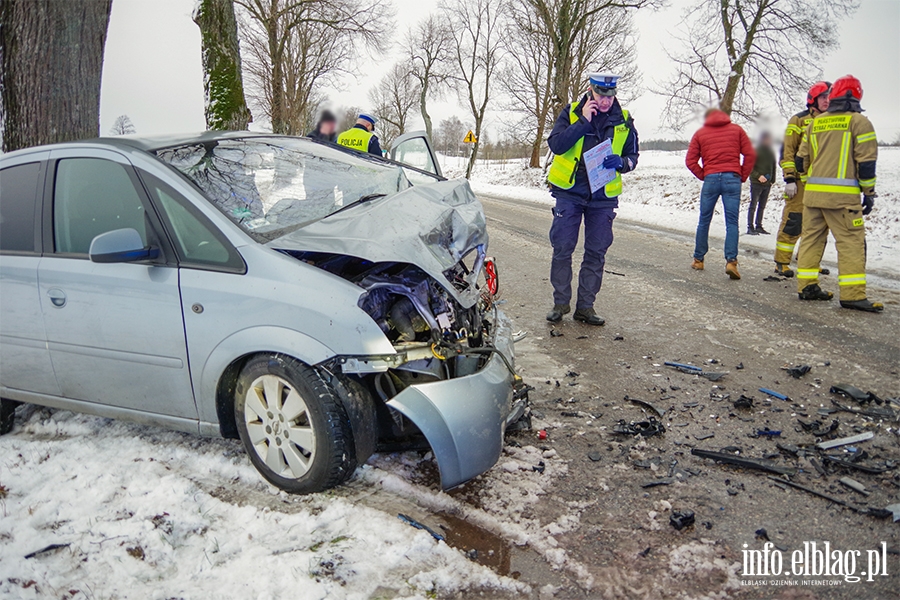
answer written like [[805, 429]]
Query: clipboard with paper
[[593, 163]]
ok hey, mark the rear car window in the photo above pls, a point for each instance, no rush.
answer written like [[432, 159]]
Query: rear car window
[[18, 195]]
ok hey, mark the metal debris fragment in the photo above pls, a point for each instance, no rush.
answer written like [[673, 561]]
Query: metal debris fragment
[[875, 512], [854, 485]]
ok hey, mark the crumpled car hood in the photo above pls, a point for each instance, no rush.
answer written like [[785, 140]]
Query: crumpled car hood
[[431, 226]]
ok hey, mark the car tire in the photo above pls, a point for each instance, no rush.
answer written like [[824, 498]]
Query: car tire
[[7, 415], [293, 425]]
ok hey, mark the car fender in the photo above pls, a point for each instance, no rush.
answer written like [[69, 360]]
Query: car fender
[[253, 340]]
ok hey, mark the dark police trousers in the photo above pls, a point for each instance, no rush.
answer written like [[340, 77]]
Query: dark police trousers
[[598, 237]]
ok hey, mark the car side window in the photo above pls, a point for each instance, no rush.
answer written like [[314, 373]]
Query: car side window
[[18, 195], [93, 196], [197, 242]]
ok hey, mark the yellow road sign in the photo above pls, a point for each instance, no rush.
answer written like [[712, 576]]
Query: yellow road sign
[[470, 138]]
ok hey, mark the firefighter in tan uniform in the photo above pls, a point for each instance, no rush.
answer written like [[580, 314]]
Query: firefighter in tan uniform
[[838, 154], [792, 215]]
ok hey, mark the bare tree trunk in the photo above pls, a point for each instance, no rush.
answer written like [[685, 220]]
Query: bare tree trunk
[[535, 161], [223, 85], [423, 97], [277, 79], [51, 62]]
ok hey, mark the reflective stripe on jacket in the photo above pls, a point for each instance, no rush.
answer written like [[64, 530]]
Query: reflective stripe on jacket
[[834, 145], [793, 135], [564, 166], [356, 138]]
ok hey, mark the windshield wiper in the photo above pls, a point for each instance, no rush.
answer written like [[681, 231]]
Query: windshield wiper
[[360, 200]]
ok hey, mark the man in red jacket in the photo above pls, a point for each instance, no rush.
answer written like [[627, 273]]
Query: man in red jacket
[[720, 144]]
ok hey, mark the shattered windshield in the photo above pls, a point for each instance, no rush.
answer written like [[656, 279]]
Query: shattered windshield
[[271, 186]]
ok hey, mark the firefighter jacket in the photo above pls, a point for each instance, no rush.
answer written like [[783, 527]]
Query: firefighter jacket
[[840, 149], [793, 135]]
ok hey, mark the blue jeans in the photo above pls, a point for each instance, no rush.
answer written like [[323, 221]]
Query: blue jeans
[[598, 237], [728, 186]]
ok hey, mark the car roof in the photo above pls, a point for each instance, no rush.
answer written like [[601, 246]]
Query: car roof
[[152, 143]]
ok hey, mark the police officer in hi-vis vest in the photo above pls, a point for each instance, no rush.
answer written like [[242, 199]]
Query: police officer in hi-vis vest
[[581, 126], [361, 137]]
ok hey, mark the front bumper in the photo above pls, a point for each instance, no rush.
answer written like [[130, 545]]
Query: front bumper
[[464, 419]]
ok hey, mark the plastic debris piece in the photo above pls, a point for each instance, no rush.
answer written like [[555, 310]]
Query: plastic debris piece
[[769, 433], [854, 485], [652, 407], [847, 440], [684, 368], [713, 376], [542, 434], [704, 436], [875, 512], [818, 467], [878, 412], [774, 394], [745, 402], [46, 550], [895, 509], [762, 534], [798, 371], [845, 389], [872, 470], [656, 482], [789, 448], [595, 456], [519, 335], [747, 463], [680, 519], [643, 428], [555, 333], [740, 366], [539, 468]]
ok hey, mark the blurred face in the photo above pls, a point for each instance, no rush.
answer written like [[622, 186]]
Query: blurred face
[[603, 102], [327, 127], [822, 102]]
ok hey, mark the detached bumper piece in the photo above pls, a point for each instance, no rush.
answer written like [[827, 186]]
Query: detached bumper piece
[[464, 419]]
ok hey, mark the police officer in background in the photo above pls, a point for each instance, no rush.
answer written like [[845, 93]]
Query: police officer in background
[[794, 184], [361, 137], [582, 125], [838, 153]]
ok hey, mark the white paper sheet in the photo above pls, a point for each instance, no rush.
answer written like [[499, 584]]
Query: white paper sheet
[[593, 162]]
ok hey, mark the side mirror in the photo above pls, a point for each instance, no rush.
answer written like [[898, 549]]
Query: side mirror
[[121, 245]]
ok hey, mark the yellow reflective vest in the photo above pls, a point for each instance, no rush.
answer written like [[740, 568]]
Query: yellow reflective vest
[[356, 139], [563, 168], [793, 135], [833, 145]]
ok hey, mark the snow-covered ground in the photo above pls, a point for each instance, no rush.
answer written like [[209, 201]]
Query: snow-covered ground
[[663, 193], [148, 513]]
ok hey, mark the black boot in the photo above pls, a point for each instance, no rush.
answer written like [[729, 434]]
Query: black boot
[[556, 314], [587, 315], [751, 231], [814, 292], [864, 305], [760, 230]]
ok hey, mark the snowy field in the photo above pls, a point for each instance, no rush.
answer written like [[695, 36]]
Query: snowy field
[[663, 193]]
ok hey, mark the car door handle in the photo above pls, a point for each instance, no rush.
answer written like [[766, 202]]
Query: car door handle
[[57, 297]]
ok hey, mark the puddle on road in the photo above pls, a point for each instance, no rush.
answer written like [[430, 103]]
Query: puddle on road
[[480, 545]]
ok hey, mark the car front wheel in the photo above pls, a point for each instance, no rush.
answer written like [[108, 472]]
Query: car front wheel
[[292, 424]]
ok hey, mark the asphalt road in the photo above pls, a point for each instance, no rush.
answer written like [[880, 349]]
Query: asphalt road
[[658, 309]]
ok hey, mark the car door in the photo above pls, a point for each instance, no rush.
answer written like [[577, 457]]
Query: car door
[[115, 330], [414, 150], [24, 357]]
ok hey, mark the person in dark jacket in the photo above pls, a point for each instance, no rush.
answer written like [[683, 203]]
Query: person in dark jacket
[[361, 137], [761, 178], [720, 144], [596, 118], [326, 128]]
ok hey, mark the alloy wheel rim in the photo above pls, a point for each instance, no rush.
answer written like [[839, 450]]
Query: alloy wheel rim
[[279, 426]]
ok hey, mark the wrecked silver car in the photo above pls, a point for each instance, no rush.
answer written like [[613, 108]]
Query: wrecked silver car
[[308, 299]]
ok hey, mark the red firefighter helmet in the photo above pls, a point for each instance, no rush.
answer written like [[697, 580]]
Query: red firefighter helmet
[[818, 88], [844, 85]]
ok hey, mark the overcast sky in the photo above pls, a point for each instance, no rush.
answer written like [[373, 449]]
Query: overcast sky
[[152, 68]]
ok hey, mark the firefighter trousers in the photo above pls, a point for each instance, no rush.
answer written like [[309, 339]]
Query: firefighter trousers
[[791, 227], [849, 230]]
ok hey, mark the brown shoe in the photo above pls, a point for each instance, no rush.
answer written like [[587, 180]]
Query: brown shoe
[[731, 269], [697, 265]]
